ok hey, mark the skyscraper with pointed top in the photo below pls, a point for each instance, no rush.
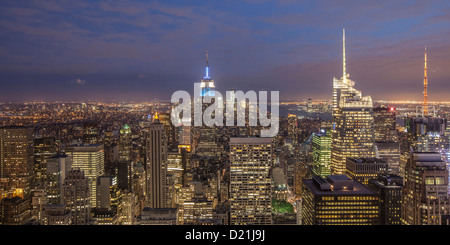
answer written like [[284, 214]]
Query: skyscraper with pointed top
[[425, 86], [156, 165], [205, 137], [207, 84], [353, 123]]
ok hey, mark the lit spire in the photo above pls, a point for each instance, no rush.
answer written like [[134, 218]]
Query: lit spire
[[425, 86], [344, 72], [207, 65], [156, 117]]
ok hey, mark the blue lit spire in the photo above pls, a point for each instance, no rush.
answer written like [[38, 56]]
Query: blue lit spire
[[207, 66], [207, 84]]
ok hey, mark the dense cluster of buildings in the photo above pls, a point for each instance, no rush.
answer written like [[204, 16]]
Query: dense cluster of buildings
[[128, 164]]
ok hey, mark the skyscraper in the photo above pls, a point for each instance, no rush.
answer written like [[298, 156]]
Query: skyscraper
[[44, 148], [91, 160], [125, 145], [76, 197], [389, 188], [16, 161], [425, 197], [292, 127], [364, 169], [57, 169], [422, 130], [321, 153], [105, 186], [338, 200], [207, 84], [384, 124], [125, 175], [250, 183], [353, 123], [427, 134], [425, 86], [156, 161]]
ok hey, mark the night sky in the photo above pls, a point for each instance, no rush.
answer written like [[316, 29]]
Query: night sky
[[140, 50]]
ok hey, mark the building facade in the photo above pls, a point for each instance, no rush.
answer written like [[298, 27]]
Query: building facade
[[389, 188], [250, 183], [91, 160], [16, 161], [425, 193], [353, 123], [156, 161], [338, 200]]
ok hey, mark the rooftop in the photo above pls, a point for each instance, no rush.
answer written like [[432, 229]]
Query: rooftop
[[250, 140], [340, 185]]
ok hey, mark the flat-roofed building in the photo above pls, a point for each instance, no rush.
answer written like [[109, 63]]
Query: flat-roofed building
[[158, 216], [389, 188], [425, 192], [338, 200], [250, 182], [364, 169]]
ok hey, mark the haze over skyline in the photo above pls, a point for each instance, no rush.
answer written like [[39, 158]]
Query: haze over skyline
[[141, 50]]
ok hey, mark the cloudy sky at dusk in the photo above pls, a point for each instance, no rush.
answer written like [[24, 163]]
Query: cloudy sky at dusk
[[139, 50]]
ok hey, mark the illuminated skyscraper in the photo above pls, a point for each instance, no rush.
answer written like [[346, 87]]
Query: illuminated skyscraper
[[425, 197], [127, 216], [156, 161], [108, 194], [364, 169], [338, 200], [91, 160], [205, 137], [292, 127], [16, 161], [384, 124], [353, 123], [389, 188], [57, 169], [428, 134], [44, 148], [387, 145], [321, 153], [76, 197], [389, 152], [125, 145], [422, 129], [425, 86], [250, 183], [207, 84]]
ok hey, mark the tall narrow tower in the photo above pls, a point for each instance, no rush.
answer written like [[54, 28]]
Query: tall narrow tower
[[344, 71], [207, 84], [156, 161], [207, 66], [353, 124], [425, 86]]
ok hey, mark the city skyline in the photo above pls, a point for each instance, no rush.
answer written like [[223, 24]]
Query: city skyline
[[140, 51], [348, 161]]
